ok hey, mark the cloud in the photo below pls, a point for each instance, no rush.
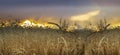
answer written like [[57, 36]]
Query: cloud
[[16, 3], [86, 16], [107, 2]]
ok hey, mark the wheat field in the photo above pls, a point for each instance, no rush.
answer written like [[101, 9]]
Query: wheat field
[[37, 41]]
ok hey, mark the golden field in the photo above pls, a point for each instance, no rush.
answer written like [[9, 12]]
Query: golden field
[[37, 41]]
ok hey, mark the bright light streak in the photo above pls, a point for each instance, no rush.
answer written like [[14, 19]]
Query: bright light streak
[[86, 16]]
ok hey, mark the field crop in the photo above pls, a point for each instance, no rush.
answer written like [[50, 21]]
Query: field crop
[[37, 41]]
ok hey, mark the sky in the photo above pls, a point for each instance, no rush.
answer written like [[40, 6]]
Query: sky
[[60, 8], [43, 2]]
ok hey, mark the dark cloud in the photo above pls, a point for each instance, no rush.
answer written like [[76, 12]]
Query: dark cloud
[[107, 2], [21, 3], [43, 2], [58, 7]]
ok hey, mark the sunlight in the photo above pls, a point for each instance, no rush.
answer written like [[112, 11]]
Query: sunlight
[[29, 23], [115, 25]]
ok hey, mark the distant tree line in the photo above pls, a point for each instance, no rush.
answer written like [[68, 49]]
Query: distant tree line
[[62, 24]]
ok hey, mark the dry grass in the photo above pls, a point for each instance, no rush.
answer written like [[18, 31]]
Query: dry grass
[[19, 41]]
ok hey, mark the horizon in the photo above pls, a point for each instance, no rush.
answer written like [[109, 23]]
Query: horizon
[[74, 11]]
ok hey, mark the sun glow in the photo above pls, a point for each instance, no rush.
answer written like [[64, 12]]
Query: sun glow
[[29, 23], [115, 25]]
